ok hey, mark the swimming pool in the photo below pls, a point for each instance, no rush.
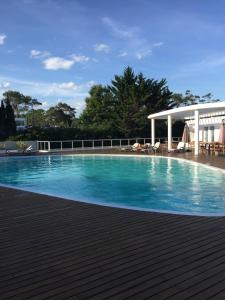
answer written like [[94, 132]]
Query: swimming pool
[[138, 182]]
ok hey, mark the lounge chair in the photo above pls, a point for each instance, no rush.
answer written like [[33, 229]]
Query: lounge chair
[[20, 151], [12, 151], [146, 147], [134, 147], [29, 149], [180, 148], [155, 148]]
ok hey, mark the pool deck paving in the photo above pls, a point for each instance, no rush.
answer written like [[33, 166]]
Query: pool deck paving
[[52, 248]]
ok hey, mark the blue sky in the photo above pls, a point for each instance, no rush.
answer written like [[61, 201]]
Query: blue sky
[[55, 50]]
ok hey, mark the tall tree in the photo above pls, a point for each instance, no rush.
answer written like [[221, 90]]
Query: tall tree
[[124, 105], [135, 97], [20, 103], [15, 99], [2, 120], [155, 96], [61, 115], [124, 90], [28, 109], [30, 103], [10, 123], [99, 111], [178, 99]]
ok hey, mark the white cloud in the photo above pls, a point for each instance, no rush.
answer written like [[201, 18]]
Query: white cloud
[[143, 53], [57, 63], [102, 48], [159, 44], [118, 30], [209, 64], [131, 39], [45, 105], [69, 92], [67, 86], [80, 58], [147, 50], [38, 54], [4, 85], [35, 53], [2, 38], [90, 83]]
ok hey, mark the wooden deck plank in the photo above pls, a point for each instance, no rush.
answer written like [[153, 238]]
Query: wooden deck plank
[[82, 280], [52, 248]]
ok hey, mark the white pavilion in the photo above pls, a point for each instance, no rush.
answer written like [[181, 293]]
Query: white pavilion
[[203, 120]]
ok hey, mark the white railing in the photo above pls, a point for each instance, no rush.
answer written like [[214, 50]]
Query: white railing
[[95, 144]]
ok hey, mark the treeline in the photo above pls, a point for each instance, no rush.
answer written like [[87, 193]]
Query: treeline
[[118, 110]]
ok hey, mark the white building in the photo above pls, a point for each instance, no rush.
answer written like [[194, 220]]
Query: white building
[[203, 120], [209, 127], [20, 123]]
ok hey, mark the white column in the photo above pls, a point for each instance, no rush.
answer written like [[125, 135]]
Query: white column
[[153, 131], [196, 132], [169, 132]]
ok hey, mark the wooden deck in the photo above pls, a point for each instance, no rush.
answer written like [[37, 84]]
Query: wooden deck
[[52, 248]]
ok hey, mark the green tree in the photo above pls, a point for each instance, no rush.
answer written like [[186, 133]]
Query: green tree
[[135, 97], [208, 98], [69, 111], [15, 99], [99, 113], [20, 103], [125, 102], [121, 109], [178, 99], [2, 120], [10, 123], [29, 104], [61, 115], [155, 96], [36, 118]]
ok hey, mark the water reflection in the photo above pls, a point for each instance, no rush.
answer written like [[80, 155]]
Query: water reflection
[[144, 182]]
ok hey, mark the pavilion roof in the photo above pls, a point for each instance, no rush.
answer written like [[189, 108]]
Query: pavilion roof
[[185, 112]]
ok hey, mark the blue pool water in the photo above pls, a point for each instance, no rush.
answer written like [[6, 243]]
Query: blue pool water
[[153, 183]]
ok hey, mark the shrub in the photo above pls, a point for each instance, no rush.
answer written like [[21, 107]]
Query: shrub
[[2, 146], [22, 145]]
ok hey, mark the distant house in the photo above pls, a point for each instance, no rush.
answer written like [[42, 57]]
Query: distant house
[[203, 120], [21, 123]]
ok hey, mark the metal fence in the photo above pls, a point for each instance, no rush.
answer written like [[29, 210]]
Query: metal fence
[[73, 145]]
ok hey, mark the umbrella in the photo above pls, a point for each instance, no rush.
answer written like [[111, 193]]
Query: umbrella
[[222, 133], [186, 134]]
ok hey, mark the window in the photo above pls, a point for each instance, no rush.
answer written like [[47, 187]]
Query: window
[[212, 130], [206, 134]]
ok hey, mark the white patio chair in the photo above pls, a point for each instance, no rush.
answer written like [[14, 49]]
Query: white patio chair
[[155, 148], [180, 148]]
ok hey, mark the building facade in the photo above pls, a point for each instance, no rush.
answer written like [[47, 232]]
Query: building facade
[[209, 127], [203, 120]]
